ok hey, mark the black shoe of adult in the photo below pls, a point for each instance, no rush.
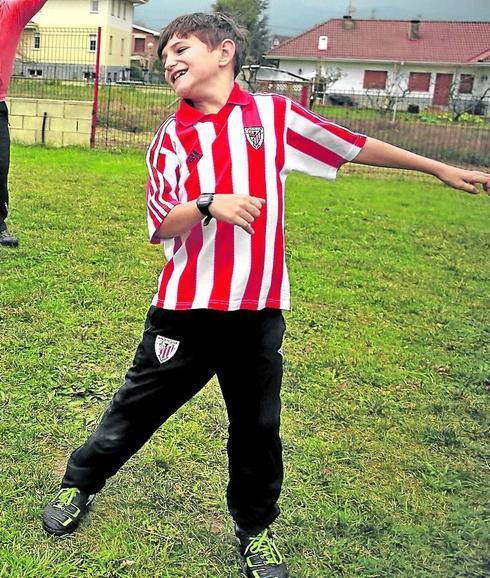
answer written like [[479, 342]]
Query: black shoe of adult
[[262, 558], [7, 239], [63, 515]]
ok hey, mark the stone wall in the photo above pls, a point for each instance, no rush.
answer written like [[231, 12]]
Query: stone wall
[[67, 122]]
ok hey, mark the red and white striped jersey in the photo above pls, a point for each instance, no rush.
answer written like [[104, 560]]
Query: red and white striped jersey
[[247, 148]]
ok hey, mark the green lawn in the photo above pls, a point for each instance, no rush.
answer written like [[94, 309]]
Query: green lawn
[[385, 398]]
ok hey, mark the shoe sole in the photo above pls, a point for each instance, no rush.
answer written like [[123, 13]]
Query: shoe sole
[[59, 533]]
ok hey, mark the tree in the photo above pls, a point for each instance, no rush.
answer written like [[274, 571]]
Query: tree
[[251, 14], [466, 102]]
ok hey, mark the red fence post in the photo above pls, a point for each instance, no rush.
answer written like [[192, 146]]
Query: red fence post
[[304, 98], [95, 105]]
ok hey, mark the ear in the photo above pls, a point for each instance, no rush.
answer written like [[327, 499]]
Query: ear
[[227, 50]]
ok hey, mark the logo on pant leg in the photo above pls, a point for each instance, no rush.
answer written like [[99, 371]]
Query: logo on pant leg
[[165, 348]]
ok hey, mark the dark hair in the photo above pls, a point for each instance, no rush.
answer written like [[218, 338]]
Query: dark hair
[[211, 29]]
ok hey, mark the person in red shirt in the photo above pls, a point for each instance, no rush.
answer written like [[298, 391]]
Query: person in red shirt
[[14, 15], [215, 200]]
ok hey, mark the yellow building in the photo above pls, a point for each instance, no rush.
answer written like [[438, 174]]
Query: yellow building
[[61, 40]]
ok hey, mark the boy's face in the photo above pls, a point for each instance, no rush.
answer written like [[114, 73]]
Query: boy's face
[[190, 65]]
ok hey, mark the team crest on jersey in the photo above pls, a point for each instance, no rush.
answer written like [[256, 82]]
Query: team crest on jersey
[[255, 136], [165, 348]]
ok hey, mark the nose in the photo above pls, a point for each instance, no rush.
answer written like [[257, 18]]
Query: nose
[[169, 64]]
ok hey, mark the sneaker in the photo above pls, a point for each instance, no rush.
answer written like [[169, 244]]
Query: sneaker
[[262, 558], [63, 515], [7, 239]]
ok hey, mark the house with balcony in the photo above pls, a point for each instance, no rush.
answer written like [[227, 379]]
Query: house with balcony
[[144, 51], [62, 40], [433, 61]]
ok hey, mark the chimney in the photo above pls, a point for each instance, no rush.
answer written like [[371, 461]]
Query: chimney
[[322, 42], [348, 23], [414, 32]]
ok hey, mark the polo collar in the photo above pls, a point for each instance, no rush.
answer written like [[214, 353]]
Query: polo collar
[[188, 115]]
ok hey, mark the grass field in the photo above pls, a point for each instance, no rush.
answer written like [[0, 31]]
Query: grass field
[[385, 399]]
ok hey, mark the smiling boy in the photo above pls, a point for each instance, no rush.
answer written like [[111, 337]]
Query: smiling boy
[[215, 199]]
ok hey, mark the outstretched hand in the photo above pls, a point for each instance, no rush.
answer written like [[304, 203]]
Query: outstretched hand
[[464, 180], [240, 210]]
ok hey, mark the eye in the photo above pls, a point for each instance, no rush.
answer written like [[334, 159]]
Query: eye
[[182, 49]]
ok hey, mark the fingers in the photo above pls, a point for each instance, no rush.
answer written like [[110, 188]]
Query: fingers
[[238, 210], [246, 226], [483, 179]]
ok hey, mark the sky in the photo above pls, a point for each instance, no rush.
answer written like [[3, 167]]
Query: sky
[[290, 17]]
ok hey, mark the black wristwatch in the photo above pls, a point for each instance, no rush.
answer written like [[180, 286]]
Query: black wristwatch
[[203, 203]]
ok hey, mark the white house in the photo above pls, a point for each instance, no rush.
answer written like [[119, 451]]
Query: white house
[[430, 60]]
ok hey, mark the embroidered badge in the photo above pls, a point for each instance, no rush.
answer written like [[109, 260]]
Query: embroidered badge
[[165, 348], [255, 136], [194, 156]]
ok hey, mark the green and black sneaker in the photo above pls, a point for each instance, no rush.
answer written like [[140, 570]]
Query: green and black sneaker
[[262, 558], [63, 515]]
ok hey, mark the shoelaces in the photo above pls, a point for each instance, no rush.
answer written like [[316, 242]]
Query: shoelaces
[[262, 544]]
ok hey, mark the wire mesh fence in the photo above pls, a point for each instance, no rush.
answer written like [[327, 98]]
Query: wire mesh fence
[[56, 63], [129, 115], [457, 133]]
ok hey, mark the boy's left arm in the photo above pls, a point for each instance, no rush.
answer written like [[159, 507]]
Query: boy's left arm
[[382, 154]]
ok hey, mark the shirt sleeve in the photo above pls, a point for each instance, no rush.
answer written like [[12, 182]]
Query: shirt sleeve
[[163, 176], [26, 9], [316, 146]]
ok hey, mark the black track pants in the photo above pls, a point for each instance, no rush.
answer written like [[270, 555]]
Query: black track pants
[[179, 353], [4, 163]]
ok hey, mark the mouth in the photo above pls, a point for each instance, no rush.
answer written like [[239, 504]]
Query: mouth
[[177, 75]]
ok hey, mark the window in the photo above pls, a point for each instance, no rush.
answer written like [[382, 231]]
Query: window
[[466, 84], [37, 41], [94, 5], [375, 79], [92, 42], [125, 6], [119, 8], [419, 81], [110, 43], [113, 7], [139, 44], [122, 46]]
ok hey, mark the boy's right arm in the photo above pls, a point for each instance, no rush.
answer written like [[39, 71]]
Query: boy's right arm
[[239, 210]]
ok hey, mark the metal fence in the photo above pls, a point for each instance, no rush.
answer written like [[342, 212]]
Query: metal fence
[[57, 63], [457, 133]]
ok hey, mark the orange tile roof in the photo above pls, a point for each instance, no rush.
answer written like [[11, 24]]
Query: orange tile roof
[[388, 40]]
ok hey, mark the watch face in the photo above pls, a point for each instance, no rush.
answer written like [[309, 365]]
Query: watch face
[[203, 202]]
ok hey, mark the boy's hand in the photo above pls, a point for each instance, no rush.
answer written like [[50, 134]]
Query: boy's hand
[[463, 179], [239, 210]]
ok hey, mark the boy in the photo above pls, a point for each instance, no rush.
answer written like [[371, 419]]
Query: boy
[[14, 15], [215, 199]]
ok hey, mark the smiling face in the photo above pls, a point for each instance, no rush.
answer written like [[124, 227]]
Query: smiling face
[[191, 67]]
